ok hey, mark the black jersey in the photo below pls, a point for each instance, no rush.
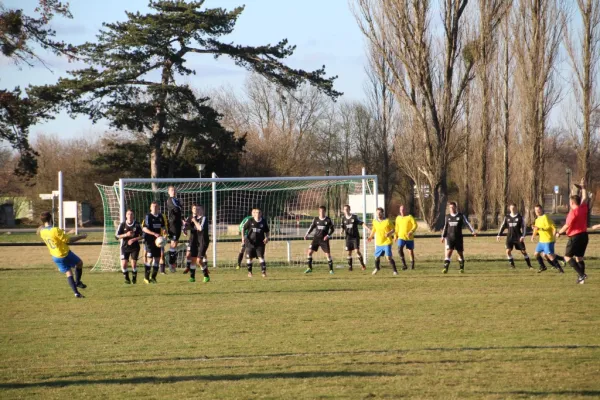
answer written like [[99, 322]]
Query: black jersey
[[516, 227], [198, 235], [174, 211], [454, 226], [324, 227], [256, 231], [156, 223], [125, 227], [350, 226]]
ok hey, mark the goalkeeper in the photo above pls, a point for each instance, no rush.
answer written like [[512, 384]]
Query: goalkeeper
[[243, 234]]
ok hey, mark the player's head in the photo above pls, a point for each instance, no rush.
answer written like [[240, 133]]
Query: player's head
[[172, 191], [453, 207], [574, 201], [194, 208], [154, 207], [256, 213], [402, 210], [129, 215], [322, 210], [46, 217], [200, 209], [347, 209], [380, 212], [539, 210], [512, 207]]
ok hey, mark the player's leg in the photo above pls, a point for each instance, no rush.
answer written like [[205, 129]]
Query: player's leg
[[461, 259], [124, 271], [509, 256], [379, 251], [522, 248], [157, 257], [188, 260], [161, 261], [309, 259], [134, 259], [327, 251], [250, 255], [447, 257], [349, 258], [411, 254], [76, 261], [260, 252], [71, 282], [401, 246], [202, 253], [538, 256], [64, 267], [551, 257], [147, 261], [193, 261], [360, 258]]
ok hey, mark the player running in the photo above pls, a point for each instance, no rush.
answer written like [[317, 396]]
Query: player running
[[324, 229], [405, 234], [452, 235], [515, 234], [58, 242], [257, 237], [544, 226]]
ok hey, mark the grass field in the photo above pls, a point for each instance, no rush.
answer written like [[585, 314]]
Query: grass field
[[490, 333]]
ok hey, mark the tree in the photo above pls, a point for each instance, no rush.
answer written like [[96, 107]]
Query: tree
[[19, 33], [426, 80], [119, 84]]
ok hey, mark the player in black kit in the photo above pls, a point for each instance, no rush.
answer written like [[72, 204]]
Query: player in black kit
[[175, 219], [515, 234], [198, 242], [256, 237], [453, 236], [154, 225], [129, 233], [350, 224], [324, 228]]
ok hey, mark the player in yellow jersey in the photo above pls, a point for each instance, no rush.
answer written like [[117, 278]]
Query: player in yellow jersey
[[383, 230], [405, 234], [544, 226], [58, 242]]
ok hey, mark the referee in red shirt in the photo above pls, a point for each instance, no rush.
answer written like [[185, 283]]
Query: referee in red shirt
[[576, 229]]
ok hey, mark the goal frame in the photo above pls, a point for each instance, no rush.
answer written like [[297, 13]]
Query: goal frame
[[214, 180]]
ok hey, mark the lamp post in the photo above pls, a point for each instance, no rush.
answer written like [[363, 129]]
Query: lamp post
[[568, 171], [200, 168]]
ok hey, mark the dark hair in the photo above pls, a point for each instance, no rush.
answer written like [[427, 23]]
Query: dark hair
[[512, 204], [323, 208], [46, 217], [154, 202], [194, 204], [453, 203], [576, 199], [347, 205], [538, 206], [257, 209], [380, 209]]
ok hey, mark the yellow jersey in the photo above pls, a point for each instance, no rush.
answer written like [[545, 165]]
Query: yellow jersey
[[56, 240], [380, 229], [546, 229], [405, 227]]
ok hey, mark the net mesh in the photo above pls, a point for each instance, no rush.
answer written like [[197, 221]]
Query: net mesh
[[288, 206]]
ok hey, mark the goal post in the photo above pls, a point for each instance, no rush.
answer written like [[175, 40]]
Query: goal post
[[288, 204]]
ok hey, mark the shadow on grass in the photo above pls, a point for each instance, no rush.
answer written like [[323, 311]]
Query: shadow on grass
[[527, 393], [192, 378], [346, 353]]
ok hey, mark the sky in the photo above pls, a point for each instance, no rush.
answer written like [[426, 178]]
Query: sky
[[324, 31]]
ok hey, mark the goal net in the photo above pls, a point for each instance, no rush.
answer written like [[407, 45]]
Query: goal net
[[288, 204]]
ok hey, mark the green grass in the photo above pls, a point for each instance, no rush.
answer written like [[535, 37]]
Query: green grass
[[32, 237], [490, 333]]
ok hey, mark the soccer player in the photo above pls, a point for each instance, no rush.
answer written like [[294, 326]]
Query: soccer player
[[324, 228], [153, 226], [199, 243], [243, 234], [350, 224], [576, 229], [544, 226], [405, 234], [175, 220], [515, 235], [58, 242], [129, 233], [257, 236], [383, 230], [452, 235]]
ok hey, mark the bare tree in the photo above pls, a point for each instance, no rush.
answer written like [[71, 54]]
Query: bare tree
[[538, 32], [585, 58], [425, 80]]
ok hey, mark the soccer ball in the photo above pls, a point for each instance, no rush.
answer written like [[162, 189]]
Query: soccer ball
[[160, 242]]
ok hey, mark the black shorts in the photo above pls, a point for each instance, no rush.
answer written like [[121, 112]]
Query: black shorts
[[576, 245], [152, 251], [352, 244], [174, 232], [128, 252], [455, 244], [323, 244], [202, 248], [192, 248], [255, 251], [515, 244]]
